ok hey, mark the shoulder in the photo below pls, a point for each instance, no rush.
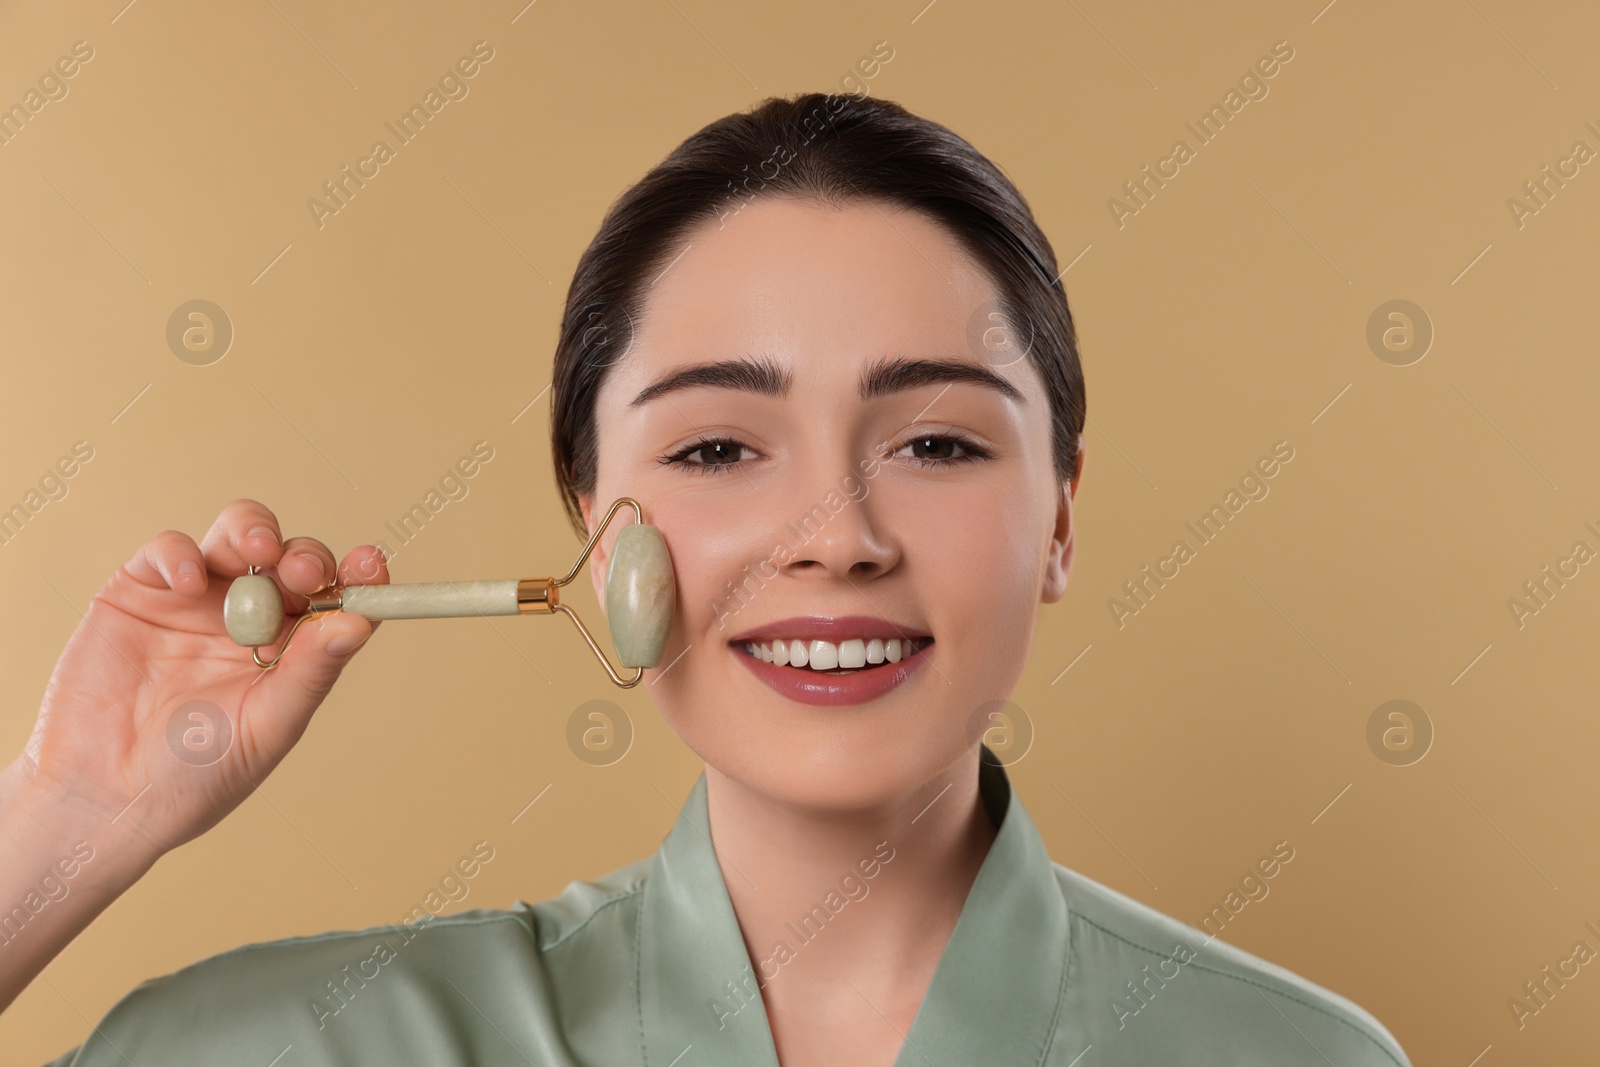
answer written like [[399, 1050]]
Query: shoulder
[[1145, 980], [326, 992], [590, 910], [380, 993]]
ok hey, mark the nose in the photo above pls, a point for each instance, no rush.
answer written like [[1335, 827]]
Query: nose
[[839, 537]]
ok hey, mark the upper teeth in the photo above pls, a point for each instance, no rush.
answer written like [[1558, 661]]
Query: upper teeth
[[829, 655]]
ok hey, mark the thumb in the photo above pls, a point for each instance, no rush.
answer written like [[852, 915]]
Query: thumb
[[290, 693], [321, 649]]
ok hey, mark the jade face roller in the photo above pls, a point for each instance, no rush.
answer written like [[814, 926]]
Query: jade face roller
[[641, 595]]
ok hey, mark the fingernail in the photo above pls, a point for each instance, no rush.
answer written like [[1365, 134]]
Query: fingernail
[[188, 566], [263, 531], [342, 644]]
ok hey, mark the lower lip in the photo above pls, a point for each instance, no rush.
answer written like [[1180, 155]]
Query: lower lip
[[824, 690]]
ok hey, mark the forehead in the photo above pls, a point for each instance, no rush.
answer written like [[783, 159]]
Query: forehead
[[813, 286]]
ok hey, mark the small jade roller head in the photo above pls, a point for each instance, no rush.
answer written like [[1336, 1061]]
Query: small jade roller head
[[641, 595]]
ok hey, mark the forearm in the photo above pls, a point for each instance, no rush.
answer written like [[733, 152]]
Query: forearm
[[60, 867]]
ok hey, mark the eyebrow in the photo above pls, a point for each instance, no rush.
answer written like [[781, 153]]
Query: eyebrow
[[880, 378]]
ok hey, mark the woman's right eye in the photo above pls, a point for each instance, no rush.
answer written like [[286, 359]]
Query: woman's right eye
[[715, 455]]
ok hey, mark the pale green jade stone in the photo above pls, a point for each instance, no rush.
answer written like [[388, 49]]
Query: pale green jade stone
[[641, 595], [253, 610], [432, 600]]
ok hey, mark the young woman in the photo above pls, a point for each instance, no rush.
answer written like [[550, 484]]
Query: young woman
[[825, 344]]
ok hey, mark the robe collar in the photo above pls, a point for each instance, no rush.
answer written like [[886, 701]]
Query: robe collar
[[994, 998]]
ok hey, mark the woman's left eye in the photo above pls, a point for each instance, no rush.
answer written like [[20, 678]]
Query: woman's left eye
[[716, 453]]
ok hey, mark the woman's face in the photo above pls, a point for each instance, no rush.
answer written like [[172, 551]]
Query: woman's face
[[925, 504]]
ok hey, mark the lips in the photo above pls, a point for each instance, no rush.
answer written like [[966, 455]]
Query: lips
[[833, 689]]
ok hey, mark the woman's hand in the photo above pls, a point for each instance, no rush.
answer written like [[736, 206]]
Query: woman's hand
[[155, 724], [153, 717]]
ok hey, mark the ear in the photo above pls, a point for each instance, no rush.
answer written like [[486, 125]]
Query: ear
[[598, 561], [1059, 561]]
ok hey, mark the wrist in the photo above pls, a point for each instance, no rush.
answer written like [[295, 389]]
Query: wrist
[[60, 866], [55, 841]]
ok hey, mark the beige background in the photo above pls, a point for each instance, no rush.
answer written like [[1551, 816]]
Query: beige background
[[1228, 314]]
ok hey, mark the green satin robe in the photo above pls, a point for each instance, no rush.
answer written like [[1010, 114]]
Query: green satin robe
[[646, 966]]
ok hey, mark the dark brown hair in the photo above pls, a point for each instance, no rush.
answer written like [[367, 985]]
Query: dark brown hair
[[836, 149]]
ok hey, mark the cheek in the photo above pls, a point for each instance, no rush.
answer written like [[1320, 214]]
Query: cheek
[[714, 547], [984, 568], [719, 551], [991, 574], [724, 560]]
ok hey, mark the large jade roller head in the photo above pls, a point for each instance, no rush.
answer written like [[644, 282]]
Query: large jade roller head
[[640, 595]]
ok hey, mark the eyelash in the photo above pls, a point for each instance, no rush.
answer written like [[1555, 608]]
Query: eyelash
[[680, 458]]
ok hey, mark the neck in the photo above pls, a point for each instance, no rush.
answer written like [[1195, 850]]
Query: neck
[[865, 895]]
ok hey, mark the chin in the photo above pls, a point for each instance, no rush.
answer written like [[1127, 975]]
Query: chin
[[837, 784], [849, 760]]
